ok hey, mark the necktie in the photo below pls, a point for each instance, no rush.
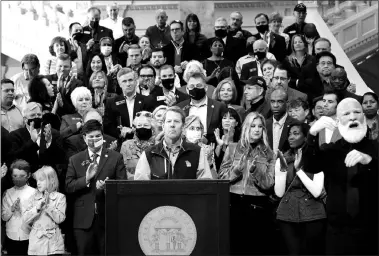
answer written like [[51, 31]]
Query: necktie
[[94, 158]]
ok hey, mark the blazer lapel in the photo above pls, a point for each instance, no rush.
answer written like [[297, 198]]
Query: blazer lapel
[[138, 104], [272, 40], [210, 108], [283, 135], [103, 160], [269, 131], [122, 108]]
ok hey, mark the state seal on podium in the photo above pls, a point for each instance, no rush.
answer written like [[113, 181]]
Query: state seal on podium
[[167, 230]]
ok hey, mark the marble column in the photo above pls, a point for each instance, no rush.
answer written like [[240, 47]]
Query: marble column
[[204, 10], [350, 9]]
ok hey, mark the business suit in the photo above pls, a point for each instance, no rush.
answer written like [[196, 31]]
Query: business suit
[[97, 34], [123, 56], [76, 144], [89, 202], [158, 95], [283, 141], [68, 126], [188, 52], [235, 48], [277, 45], [116, 112], [215, 113], [68, 107]]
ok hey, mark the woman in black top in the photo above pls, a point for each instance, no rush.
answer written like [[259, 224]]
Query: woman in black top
[[192, 35]]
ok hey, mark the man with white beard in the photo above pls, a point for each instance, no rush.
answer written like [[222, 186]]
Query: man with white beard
[[350, 167]]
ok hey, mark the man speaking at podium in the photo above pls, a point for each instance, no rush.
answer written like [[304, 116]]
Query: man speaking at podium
[[173, 157]]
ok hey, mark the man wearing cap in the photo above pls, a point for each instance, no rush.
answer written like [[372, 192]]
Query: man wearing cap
[[94, 32], [113, 22], [30, 68], [122, 44], [276, 43], [300, 13], [159, 34], [255, 92]]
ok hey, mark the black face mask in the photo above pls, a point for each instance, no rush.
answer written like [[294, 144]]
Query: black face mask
[[260, 55], [249, 48], [221, 33], [77, 36], [37, 122], [197, 93], [168, 83], [94, 24], [144, 133], [262, 28]]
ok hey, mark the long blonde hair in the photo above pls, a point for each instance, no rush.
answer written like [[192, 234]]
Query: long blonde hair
[[245, 135], [49, 174]]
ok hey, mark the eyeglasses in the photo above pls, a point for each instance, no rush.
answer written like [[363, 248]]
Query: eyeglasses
[[329, 63], [191, 86], [280, 78], [146, 76], [144, 113]]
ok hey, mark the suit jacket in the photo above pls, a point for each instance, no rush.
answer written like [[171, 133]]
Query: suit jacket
[[277, 45], [116, 112], [283, 141], [97, 34], [85, 197], [248, 70], [24, 148], [123, 56], [68, 107], [157, 94], [294, 29], [76, 144], [215, 113], [235, 48], [68, 125], [189, 52]]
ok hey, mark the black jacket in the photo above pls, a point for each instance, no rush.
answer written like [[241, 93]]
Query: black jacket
[[235, 48], [123, 56], [189, 52], [277, 45], [158, 95]]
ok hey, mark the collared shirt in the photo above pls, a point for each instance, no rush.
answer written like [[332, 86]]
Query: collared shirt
[[14, 220], [267, 38], [20, 90], [200, 110], [178, 52], [11, 119], [130, 105], [172, 152], [116, 26], [91, 155], [247, 58], [277, 128], [51, 67]]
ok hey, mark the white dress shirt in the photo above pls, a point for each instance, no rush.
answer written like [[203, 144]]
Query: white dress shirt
[[20, 90], [277, 128], [200, 110], [116, 26], [14, 219], [130, 105]]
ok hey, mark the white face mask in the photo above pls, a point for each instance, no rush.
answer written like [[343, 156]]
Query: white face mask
[[193, 136], [106, 50]]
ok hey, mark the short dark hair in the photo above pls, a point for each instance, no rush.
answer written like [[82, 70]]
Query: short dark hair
[[216, 39], [158, 49], [103, 65], [275, 63], [146, 66], [299, 102], [261, 14], [315, 100], [178, 22], [91, 126], [127, 21], [92, 8], [21, 165], [175, 109], [339, 97], [374, 95], [37, 90], [326, 54], [193, 17], [167, 66], [6, 81], [71, 25], [59, 40], [30, 59], [282, 67], [304, 127]]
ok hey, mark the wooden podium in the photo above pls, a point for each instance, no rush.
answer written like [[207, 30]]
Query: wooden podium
[[167, 217]]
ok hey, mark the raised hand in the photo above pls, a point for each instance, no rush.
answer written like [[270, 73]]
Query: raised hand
[[354, 157], [323, 122], [170, 99], [283, 162], [47, 133], [219, 141], [33, 132], [298, 157]]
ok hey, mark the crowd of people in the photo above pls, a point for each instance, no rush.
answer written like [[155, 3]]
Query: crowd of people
[[271, 112]]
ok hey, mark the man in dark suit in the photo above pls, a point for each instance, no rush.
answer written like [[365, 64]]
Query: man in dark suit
[[36, 143], [85, 180], [122, 44], [277, 43], [235, 47], [178, 52], [277, 125], [76, 143], [209, 111], [255, 92], [94, 32], [78, 48], [64, 85], [121, 110], [167, 94]]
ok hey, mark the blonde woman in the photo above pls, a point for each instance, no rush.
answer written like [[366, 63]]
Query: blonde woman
[[99, 84], [249, 165], [46, 210]]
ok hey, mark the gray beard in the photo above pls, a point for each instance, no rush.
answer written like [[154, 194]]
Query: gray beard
[[353, 135]]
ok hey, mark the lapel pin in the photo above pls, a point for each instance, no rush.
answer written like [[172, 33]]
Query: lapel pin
[[139, 102], [106, 155], [213, 106]]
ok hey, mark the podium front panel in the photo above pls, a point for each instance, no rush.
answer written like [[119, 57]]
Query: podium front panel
[[169, 209]]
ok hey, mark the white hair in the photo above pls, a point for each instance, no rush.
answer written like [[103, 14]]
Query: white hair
[[219, 19], [80, 92], [344, 102], [260, 41], [29, 107], [193, 66]]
